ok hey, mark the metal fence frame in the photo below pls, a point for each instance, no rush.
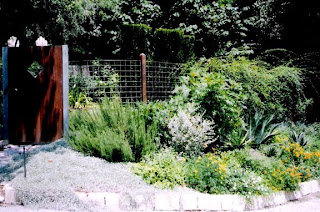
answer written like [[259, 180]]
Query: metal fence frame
[[130, 80]]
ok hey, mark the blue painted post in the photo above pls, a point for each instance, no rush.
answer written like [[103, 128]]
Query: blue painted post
[[5, 92]]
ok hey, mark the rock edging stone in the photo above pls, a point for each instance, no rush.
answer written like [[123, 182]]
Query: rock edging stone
[[182, 199]]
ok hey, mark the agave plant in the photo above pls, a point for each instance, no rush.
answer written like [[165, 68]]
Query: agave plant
[[238, 139], [261, 129], [271, 150], [300, 138]]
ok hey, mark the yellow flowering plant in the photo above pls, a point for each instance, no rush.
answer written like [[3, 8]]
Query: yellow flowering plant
[[207, 174]]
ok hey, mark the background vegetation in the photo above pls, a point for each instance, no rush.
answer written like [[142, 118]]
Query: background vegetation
[[92, 29]]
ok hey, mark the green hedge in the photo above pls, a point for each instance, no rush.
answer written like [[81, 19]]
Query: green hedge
[[173, 46], [135, 39]]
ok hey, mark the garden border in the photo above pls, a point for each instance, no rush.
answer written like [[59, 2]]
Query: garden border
[[182, 199]]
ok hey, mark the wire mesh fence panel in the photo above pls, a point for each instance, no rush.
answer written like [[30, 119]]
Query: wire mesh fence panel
[[161, 79], [110, 78], [122, 79]]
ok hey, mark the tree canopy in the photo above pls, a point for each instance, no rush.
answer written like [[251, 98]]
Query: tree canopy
[[90, 26]]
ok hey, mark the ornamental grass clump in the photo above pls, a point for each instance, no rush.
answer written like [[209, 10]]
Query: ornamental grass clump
[[191, 134]]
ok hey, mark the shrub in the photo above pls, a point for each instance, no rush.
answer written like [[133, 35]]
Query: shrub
[[164, 169], [190, 133], [113, 131], [218, 98], [173, 46], [134, 40], [207, 174], [280, 177], [293, 153], [246, 182], [223, 173], [274, 90]]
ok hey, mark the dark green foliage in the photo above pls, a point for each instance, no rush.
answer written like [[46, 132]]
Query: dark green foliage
[[173, 46], [218, 97], [274, 90], [135, 39], [113, 131]]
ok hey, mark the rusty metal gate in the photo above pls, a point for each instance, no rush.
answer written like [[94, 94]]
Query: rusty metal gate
[[35, 85]]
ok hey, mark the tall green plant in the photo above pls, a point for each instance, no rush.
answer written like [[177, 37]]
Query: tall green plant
[[134, 40], [173, 46], [274, 90], [113, 131], [218, 97]]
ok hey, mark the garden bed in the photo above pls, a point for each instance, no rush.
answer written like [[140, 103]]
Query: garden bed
[[62, 179]]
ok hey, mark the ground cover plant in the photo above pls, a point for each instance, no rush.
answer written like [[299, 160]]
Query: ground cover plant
[[55, 172]]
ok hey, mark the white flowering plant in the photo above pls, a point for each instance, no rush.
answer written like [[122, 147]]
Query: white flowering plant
[[246, 182], [191, 134]]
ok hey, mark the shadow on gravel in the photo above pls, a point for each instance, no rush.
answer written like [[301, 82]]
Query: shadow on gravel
[[9, 171]]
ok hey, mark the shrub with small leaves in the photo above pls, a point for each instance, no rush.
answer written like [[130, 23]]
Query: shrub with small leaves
[[281, 177], [207, 174], [191, 134], [164, 169]]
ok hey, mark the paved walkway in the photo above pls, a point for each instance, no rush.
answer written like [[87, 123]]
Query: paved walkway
[[309, 203]]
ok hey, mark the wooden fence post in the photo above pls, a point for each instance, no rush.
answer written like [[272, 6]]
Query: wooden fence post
[[143, 76]]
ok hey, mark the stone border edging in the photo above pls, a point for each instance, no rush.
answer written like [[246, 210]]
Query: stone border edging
[[182, 200]]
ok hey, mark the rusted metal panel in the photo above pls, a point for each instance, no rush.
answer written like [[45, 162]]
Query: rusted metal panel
[[35, 101]]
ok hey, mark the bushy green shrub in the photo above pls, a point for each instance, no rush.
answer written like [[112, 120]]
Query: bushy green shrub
[[164, 169], [173, 46], [135, 39], [223, 174], [113, 131], [274, 90], [230, 91], [217, 97], [207, 174], [191, 134]]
